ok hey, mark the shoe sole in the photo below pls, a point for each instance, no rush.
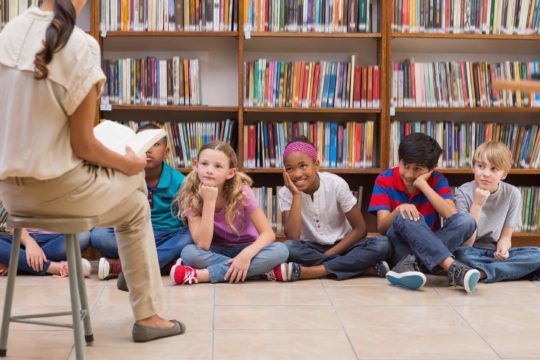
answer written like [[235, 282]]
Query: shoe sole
[[471, 280], [412, 280], [103, 269], [171, 274]]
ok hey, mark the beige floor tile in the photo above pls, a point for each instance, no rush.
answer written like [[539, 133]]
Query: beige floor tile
[[195, 317], [415, 318], [189, 294], [42, 344], [503, 293], [192, 345], [271, 294], [511, 330], [433, 343], [385, 295], [276, 317], [359, 281], [282, 344]]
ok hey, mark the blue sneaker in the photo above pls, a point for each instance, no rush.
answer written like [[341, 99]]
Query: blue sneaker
[[407, 274], [460, 274]]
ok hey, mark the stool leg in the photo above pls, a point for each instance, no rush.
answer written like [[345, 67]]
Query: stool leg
[[75, 296], [8, 299], [88, 335]]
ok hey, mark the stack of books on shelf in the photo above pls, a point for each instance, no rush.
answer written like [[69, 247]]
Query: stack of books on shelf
[[10, 9], [530, 214], [311, 84], [345, 16], [152, 81], [459, 84], [268, 201], [186, 138], [168, 15], [467, 16], [460, 139], [339, 145]]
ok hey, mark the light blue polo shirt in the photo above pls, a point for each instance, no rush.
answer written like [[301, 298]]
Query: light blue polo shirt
[[164, 213]]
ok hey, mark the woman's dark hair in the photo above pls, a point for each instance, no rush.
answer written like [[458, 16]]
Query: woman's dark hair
[[56, 36], [419, 149]]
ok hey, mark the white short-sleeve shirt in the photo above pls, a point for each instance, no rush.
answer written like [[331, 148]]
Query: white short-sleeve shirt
[[34, 114], [323, 217]]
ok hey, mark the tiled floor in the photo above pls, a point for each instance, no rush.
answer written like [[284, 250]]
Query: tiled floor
[[321, 319]]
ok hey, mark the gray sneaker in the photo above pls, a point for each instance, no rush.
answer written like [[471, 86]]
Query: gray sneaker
[[407, 274], [460, 274]]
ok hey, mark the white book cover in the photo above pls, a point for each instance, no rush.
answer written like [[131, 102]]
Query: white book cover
[[116, 137]]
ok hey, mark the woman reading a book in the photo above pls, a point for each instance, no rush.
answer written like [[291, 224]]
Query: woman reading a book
[[50, 162]]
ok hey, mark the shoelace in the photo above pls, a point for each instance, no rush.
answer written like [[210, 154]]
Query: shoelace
[[190, 277], [271, 276]]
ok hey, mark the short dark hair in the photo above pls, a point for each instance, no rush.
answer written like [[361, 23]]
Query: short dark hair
[[151, 126], [420, 149]]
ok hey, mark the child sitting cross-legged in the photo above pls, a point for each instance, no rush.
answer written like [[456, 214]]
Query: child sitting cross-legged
[[233, 239]]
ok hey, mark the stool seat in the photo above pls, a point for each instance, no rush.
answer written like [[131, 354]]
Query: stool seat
[[63, 225]]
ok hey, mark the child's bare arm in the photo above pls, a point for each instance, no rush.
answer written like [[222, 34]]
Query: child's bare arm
[[293, 219], [358, 232], [445, 207], [479, 199], [239, 265], [504, 244]]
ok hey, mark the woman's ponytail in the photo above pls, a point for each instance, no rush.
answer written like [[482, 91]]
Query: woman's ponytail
[[56, 36]]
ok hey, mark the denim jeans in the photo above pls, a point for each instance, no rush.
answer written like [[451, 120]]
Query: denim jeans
[[355, 261], [169, 244], [521, 262], [430, 248], [53, 245], [215, 259]]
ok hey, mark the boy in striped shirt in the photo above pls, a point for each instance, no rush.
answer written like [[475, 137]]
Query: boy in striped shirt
[[409, 200]]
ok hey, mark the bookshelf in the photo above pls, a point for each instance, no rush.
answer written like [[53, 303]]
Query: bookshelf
[[223, 54]]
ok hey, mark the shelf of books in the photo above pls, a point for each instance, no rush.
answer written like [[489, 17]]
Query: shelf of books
[[354, 76]]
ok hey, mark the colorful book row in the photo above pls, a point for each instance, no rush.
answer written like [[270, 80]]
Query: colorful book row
[[339, 145], [459, 84], [459, 140], [311, 84], [151, 81], [168, 15], [344, 16], [467, 16], [186, 138], [530, 212]]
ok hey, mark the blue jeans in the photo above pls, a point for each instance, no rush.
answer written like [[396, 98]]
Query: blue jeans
[[521, 263], [215, 259], [430, 248], [355, 261], [53, 245], [169, 244]]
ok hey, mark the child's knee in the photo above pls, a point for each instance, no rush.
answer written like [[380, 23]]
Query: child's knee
[[280, 251], [189, 253], [465, 222]]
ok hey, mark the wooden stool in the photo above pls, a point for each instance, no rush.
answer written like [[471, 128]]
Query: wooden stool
[[79, 303]]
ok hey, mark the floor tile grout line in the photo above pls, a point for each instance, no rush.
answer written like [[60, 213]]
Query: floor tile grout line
[[452, 306], [212, 354], [340, 322]]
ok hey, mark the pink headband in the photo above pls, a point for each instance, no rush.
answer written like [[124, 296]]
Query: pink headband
[[302, 147]]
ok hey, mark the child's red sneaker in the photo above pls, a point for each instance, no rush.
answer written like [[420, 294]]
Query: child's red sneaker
[[279, 273], [182, 274]]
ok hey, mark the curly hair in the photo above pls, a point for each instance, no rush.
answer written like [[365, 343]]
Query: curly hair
[[56, 36], [190, 202]]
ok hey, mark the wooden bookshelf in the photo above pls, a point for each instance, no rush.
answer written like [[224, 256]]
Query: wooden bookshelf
[[242, 45]]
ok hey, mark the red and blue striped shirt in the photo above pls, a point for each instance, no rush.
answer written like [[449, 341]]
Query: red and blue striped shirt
[[389, 192]]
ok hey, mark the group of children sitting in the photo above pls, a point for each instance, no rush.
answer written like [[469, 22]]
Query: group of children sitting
[[228, 237]]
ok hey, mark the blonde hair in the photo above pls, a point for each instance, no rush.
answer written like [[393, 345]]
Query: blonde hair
[[189, 200], [497, 153]]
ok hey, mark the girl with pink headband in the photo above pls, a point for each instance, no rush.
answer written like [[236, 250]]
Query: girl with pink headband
[[323, 224]]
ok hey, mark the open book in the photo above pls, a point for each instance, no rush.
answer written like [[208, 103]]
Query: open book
[[116, 137]]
